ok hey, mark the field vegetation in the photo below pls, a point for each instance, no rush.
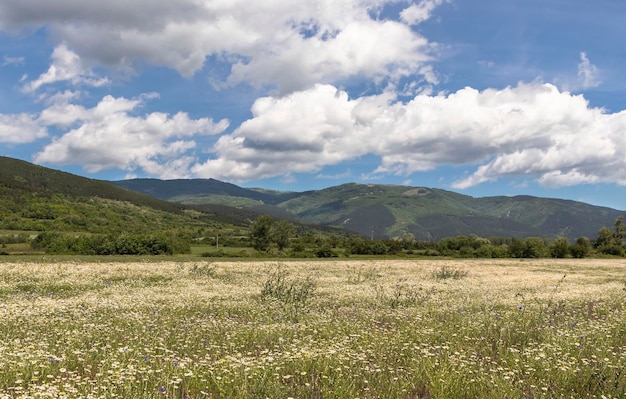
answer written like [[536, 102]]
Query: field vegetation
[[553, 328], [267, 237]]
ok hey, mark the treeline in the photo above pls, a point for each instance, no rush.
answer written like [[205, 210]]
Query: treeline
[[280, 238], [531, 247], [122, 244], [459, 247], [273, 237]]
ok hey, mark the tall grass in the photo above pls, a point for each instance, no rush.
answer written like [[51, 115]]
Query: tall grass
[[292, 293], [447, 272], [508, 329]]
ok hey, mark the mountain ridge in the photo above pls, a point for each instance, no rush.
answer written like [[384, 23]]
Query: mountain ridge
[[39, 198], [388, 211], [34, 198]]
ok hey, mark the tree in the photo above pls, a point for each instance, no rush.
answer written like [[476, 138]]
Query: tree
[[619, 232], [559, 248], [534, 247], [605, 238], [531, 247], [260, 232], [581, 248], [281, 233], [516, 248], [611, 242]]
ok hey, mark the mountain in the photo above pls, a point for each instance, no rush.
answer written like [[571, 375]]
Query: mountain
[[386, 211], [36, 198], [187, 191], [18, 177]]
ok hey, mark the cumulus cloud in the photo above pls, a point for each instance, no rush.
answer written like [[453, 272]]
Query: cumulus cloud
[[305, 50], [529, 130], [289, 45], [111, 136], [375, 49], [302, 132], [20, 128], [66, 66]]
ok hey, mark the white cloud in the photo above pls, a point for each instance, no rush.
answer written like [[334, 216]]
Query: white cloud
[[12, 61], [285, 44], [305, 49], [66, 66], [587, 73], [368, 48], [418, 13], [302, 132], [110, 136], [531, 130], [20, 128]]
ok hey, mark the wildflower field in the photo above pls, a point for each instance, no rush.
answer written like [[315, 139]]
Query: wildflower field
[[313, 329]]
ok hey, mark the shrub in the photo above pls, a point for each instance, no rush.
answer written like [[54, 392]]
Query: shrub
[[612, 249], [292, 293], [446, 272], [531, 247], [402, 294], [325, 253], [214, 254], [124, 244], [361, 274], [206, 270]]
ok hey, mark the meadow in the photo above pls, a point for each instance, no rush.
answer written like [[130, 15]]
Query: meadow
[[313, 329]]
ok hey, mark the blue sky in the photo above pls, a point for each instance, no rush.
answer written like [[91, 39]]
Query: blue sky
[[481, 97]]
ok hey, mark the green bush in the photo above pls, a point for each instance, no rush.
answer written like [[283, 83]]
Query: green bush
[[214, 254], [123, 244], [581, 248], [325, 253], [560, 248], [402, 295]]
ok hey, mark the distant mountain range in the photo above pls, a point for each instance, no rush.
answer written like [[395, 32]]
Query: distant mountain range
[[34, 198], [388, 211]]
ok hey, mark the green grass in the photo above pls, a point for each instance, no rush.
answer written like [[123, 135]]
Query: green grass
[[340, 329], [227, 200], [222, 251]]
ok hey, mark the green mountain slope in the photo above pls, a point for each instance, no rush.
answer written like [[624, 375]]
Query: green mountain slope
[[383, 211], [195, 191], [434, 214], [35, 198], [41, 199]]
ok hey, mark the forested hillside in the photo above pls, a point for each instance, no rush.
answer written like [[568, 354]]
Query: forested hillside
[[392, 211], [38, 198], [65, 213]]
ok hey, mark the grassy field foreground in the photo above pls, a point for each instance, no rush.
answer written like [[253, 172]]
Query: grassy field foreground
[[342, 329]]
